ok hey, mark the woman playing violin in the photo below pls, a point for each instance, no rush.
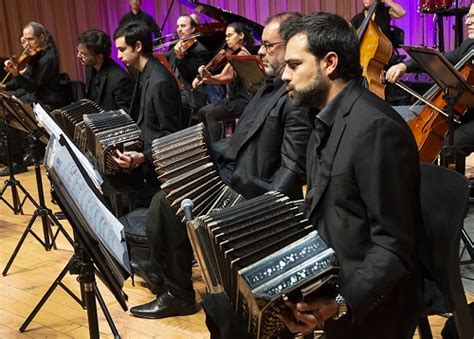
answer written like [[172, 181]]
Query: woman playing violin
[[42, 85], [239, 39]]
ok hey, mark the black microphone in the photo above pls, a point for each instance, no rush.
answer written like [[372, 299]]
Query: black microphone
[[187, 206]]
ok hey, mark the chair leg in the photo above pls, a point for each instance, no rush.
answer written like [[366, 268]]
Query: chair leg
[[424, 328]]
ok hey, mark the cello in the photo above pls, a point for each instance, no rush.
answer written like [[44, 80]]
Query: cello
[[431, 126], [375, 52]]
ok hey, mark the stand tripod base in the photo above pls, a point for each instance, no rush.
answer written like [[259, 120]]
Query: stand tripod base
[[16, 206], [89, 291]]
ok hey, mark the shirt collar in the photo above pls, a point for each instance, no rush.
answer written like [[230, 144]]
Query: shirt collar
[[328, 114]]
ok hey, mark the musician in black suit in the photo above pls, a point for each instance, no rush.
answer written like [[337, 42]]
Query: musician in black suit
[[39, 84], [464, 134], [156, 102], [185, 63], [363, 182], [107, 84], [266, 154], [137, 15]]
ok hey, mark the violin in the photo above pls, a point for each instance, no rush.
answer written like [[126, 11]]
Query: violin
[[431, 126], [188, 42], [25, 57], [375, 52]]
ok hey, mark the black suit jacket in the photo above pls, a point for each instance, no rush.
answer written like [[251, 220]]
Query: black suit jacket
[[42, 83], [268, 153], [363, 199], [156, 104], [187, 67], [115, 87]]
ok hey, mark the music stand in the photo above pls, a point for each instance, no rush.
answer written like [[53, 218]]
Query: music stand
[[16, 206], [248, 67], [456, 91], [91, 251], [22, 118]]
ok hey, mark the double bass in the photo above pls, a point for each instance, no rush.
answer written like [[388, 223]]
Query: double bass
[[375, 52]]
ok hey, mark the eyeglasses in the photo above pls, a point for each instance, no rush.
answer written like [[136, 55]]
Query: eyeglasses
[[269, 45]]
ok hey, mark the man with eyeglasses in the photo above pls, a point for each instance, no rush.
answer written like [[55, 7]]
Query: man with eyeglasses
[[107, 84], [266, 153]]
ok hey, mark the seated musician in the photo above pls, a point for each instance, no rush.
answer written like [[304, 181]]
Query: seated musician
[[107, 84], [464, 135], [185, 63], [363, 196], [40, 82], [385, 11], [267, 150], [156, 103], [240, 40]]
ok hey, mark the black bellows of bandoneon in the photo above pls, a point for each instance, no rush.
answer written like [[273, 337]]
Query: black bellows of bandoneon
[[260, 253]]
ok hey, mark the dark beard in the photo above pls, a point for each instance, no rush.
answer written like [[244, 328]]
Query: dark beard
[[311, 96]]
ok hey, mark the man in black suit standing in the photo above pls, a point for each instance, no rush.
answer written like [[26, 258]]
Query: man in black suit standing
[[266, 152], [363, 181], [107, 84], [185, 63], [137, 15], [156, 102]]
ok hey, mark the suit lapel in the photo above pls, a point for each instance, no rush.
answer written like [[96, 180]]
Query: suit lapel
[[145, 84], [320, 183], [89, 80], [262, 116], [103, 80]]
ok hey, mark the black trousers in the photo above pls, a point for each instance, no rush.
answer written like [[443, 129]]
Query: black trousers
[[212, 115], [171, 251]]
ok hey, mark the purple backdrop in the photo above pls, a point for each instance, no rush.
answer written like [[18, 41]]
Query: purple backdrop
[[420, 29]]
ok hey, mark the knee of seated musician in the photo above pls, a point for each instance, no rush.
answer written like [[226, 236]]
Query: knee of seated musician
[[203, 112]]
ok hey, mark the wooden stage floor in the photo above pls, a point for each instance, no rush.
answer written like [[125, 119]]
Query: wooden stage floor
[[35, 269]]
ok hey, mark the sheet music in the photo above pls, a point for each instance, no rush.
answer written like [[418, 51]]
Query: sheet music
[[53, 129], [88, 207]]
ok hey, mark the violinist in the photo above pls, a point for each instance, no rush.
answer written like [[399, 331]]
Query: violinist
[[42, 85], [386, 11], [185, 58], [240, 40], [464, 135]]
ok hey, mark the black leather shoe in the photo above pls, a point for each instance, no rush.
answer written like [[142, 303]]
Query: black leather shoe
[[17, 168], [153, 280], [165, 305]]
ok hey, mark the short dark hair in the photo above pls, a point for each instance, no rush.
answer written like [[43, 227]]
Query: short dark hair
[[326, 33], [249, 39], [96, 41], [136, 31]]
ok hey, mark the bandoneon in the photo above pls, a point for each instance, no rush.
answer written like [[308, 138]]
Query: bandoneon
[[185, 169], [71, 119], [260, 253], [110, 131]]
